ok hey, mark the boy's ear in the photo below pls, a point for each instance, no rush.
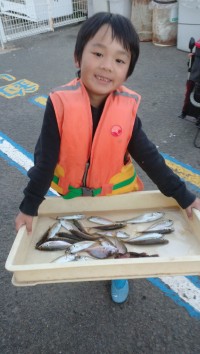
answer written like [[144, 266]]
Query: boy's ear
[[77, 64]]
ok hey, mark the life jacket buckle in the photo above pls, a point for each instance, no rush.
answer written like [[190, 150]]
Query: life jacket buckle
[[87, 192]]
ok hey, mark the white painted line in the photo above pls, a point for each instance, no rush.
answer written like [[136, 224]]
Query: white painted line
[[186, 290], [17, 155], [14, 154]]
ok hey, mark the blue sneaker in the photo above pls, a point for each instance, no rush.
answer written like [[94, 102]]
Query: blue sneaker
[[119, 290]]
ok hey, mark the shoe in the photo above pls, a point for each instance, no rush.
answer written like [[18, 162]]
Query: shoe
[[119, 290]]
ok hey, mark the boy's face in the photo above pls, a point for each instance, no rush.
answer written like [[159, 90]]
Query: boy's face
[[104, 65]]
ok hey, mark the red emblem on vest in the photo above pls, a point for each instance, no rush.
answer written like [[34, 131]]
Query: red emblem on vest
[[116, 130]]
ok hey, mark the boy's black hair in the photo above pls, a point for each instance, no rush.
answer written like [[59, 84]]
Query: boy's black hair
[[122, 30]]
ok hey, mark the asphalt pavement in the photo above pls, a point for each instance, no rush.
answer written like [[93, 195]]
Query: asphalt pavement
[[73, 318]]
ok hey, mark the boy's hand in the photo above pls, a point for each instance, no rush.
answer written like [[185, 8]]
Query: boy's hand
[[195, 204], [23, 219]]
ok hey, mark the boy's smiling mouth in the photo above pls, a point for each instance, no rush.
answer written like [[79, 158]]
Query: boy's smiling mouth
[[102, 78]]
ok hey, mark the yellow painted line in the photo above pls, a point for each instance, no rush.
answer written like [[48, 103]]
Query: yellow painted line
[[184, 173], [39, 100], [18, 88], [7, 77]]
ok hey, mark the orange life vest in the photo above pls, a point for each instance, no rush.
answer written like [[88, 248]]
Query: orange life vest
[[100, 166]]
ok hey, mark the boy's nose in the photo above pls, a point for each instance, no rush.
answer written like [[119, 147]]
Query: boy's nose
[[106, 65]]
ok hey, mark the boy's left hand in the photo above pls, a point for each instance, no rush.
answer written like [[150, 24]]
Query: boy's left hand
[[195, 204]]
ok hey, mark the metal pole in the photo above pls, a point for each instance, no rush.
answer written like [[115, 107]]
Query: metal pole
[[50, 13], [2, 34]]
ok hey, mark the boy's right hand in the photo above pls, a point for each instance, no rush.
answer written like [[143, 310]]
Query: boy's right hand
[[23, 219]]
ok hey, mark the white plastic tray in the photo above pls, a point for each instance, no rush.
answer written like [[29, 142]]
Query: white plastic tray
[[181, 256]]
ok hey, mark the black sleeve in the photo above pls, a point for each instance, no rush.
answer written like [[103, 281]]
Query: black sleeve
[[45, 159], [145, 153]]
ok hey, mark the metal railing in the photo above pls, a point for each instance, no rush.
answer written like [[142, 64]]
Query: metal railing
[[23, 18]]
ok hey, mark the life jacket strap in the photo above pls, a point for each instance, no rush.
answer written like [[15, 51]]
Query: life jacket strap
[[92, 192]]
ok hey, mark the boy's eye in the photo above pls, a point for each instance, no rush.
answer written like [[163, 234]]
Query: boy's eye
[[98, 54], [120, 61]]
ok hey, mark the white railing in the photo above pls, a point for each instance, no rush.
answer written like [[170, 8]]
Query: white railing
[[23, 18]]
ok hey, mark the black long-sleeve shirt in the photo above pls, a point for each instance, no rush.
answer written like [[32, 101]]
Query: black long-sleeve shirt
[[142, 150]]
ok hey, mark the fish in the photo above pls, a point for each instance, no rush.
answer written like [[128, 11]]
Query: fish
[[134, 255], [51, 245], [120, 245], [104, 241], [148, 239], [143, 218], [109, 244], [68, 236], [66, 239], [85, 236], [54, 229], [69, 226], [152, 241], [101, 252], [71, 217], [42, 239], [104, 233], [84, 258], [80, 246], [114, 241], [72, 257], [99, 220], [113, 226], [64, 259], [163, 227], [79, 226], [50, 233], [122, 234]]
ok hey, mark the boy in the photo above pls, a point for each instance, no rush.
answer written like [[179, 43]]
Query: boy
[[91, 128]]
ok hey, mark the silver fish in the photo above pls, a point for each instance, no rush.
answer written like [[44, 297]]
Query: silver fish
[[135, 255], [54, 229], [147, 217], [79, 258], [64, 259], [71, 217], [162, 227], [78, 224], [105, 242], [102, 252], [65, 239], [42, 239], [67, 236], [50, 233], [51, 245], [99, 220], [112, 226], [151, 242], [104, 233], [120, 245], [69, 226], [83, 235], [108, 243], [122, 234], [80, 246], [147, 239], [71, 258]]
